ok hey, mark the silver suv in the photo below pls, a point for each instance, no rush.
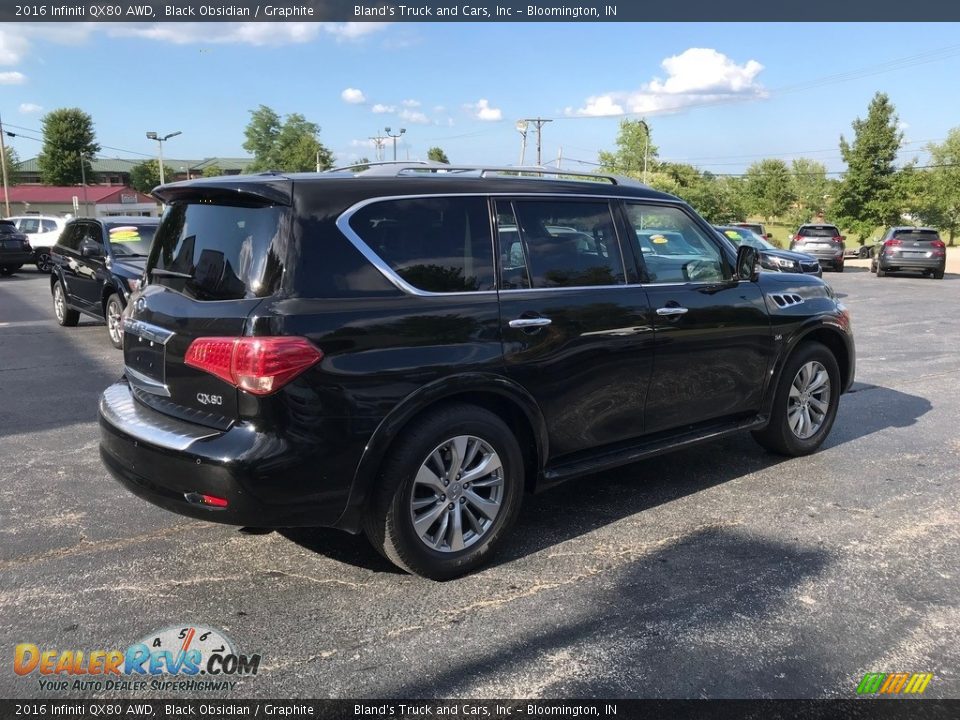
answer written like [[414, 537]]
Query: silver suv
[[824, 242]]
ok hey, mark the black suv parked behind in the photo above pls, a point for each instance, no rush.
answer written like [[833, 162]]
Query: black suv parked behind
[[15, 250], [96, 265], [405, 350]]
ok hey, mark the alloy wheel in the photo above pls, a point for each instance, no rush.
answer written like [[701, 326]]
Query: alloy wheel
[[59, 304], [809, 400], [457, 494], [113, 322]]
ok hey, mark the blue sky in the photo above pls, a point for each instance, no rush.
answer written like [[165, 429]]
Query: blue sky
[[718, 95]]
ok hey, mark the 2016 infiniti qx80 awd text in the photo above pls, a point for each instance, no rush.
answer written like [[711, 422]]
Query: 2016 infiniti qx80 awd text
[[405, 350]]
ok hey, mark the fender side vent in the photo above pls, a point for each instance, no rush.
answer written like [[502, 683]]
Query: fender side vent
[[786, 299]]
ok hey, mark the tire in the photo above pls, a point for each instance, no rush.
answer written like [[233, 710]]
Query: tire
[[112, 311], [779, 435], [938, 274], [66, 316], [8, 269], [880, 271], [839, 268], [43, 262], [410, 483]]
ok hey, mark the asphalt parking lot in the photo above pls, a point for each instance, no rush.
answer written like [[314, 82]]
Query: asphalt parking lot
[[720, 572]]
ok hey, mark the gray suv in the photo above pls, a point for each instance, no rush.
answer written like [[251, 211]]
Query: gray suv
[[912, 249], [824, 242]]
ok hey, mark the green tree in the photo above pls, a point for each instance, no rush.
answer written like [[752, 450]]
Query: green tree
[[633, 145], [12, 160], [212, 171], [437, 155], [145, 176], [938, 188], [768, 188], [809, 185], [67, 135], [869, 194], [289, 145]]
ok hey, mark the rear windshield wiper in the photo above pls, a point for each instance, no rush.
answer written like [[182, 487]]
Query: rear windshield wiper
[[170, 273]]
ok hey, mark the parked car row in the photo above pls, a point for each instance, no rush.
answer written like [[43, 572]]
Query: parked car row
[[407, 356]]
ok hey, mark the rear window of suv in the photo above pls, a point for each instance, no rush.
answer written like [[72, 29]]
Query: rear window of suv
[[827, 231], [916, 234], [218, 252]]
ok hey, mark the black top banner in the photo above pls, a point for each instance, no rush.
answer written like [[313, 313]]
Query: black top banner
[[501, 11]]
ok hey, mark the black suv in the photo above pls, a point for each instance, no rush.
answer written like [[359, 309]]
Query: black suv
[[15, 250], [96, 265], [405, 350]]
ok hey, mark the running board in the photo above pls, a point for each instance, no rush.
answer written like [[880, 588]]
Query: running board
[[555, 474]]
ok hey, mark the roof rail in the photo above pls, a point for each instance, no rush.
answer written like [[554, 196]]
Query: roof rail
[[396, 168]]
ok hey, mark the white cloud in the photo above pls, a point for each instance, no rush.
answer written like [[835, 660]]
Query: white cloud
[[353, 96], [13, 47], [694, 77], [438, 108], [246, 33], [410, 103], [414, 116], [381, 109], [12, 78], [27, 108], [352, 30], [483, 111]]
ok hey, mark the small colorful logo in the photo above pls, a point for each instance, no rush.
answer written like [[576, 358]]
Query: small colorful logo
[[894, 683], [174, 651]]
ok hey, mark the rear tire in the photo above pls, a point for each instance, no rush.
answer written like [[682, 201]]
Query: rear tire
[[938, 274], [426, 519], [8, 269], [66, 317], [805, 404], [880, 271], [112, 311], [839, 267], [43, 262]]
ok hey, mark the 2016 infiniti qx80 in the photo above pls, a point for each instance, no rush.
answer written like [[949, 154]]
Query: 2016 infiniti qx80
[[405, 350]]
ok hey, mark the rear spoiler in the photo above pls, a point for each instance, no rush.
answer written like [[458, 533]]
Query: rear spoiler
[[264, 189]]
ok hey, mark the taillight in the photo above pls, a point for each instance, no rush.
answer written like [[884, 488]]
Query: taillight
[[838, 239], [892, 242], [259, 365], [938, 247], [798, 238]]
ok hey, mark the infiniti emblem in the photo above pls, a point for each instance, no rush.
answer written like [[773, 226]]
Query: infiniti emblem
[[141, 304]]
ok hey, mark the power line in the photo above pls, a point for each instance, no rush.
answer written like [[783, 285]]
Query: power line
[[107, 147]]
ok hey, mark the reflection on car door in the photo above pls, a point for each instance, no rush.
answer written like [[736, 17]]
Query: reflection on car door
[[576, 334], [712, 333], [83, 273]]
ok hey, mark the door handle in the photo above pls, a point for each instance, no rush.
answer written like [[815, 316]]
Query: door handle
[[533, 322], [672, 311]]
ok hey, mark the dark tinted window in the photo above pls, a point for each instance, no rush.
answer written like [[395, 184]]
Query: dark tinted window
[[47, 226], [917, 234], [7, 227], [557, 243], [435, 244], [827, 231], [218, 252], [70, 237]]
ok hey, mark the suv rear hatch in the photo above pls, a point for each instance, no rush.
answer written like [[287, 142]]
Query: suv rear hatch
[[818, 239], [915, 244], [216, 254]]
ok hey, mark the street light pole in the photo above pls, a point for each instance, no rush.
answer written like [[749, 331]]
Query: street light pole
[[3, 163], [83, 181], [389, 134], [160, 140], [522, 129], [646, 147]]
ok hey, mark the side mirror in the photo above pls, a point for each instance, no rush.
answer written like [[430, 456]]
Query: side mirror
[[747, 258]]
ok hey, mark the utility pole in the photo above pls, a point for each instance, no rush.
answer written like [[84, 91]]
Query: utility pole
[[538, 122], [3, 163], [378, 141], [646, 147], [560, 157]]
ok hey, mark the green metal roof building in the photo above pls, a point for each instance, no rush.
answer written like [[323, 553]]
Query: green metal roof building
[[116, 171]]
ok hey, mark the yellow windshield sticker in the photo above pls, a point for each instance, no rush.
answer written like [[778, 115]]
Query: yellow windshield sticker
[[658, 239], [125, 233], [732, 234]]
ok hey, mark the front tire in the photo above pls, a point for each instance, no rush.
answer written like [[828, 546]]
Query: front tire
[[66, 317], [449, 492], [805, 404], [111, 313]]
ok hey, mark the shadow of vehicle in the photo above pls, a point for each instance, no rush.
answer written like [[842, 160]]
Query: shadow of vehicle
[[582, 505]]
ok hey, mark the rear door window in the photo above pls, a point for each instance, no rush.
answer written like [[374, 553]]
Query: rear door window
[[437, 245], [219, 252], [558, 243]]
